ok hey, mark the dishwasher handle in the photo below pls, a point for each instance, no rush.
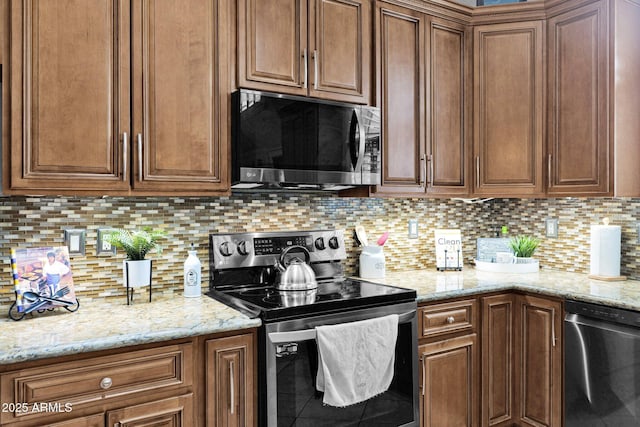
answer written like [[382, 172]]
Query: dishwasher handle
[[589, 322]]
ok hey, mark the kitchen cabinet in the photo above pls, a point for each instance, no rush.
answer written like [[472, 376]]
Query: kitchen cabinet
[[130, 382], [521, 360], [319, 48], [423, 65], [230, 384], [508, 109], [172, 412], [449, 374], [588, 45], [119, 97]]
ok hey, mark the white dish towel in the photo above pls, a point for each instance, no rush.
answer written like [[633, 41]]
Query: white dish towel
[[356, 360]]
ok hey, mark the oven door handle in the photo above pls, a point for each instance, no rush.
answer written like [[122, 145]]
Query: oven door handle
[[310, 334]]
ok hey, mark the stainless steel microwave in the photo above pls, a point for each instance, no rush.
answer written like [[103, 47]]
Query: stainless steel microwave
[[288, 142]]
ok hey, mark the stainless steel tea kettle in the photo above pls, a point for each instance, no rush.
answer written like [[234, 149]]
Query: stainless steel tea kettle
[[295, 274]]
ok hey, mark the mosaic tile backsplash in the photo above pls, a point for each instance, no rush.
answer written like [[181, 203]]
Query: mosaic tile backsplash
[[39, 221]]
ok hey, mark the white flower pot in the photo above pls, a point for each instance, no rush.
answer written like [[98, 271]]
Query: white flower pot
[[139, 273]]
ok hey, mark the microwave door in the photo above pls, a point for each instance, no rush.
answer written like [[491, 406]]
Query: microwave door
[[357, 141]]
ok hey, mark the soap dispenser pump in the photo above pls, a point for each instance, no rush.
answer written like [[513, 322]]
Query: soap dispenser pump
[[192, 274]]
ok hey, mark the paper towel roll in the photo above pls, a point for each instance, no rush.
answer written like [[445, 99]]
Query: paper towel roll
[[605, 250]]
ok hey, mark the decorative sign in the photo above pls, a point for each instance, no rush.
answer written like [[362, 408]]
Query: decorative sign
[[489, 246], [448, 250]]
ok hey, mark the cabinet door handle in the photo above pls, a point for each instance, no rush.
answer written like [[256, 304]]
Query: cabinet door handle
[[450, 319], [306, 67], [549, 171], [232, 390], [423, 169], [424, 373], [140, 157], [315, 69], [124, 156], [430, 176], [477, 171], [553, 327]]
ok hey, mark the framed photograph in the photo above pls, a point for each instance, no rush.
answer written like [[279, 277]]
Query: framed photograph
[[42, 278]]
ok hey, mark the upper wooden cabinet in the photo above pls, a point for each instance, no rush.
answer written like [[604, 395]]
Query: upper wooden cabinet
[[109, 96], [593, 131], [319, 48], [423, 65], [508, 109], [400, 50]]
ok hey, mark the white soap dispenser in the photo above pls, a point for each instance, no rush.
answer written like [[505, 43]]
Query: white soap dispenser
[[192, 275]]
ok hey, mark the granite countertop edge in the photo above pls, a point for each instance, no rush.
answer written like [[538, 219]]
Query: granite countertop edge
[[102, 326]]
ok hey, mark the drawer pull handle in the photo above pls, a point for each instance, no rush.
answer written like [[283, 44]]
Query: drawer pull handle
[[450, 319], [106, 383]]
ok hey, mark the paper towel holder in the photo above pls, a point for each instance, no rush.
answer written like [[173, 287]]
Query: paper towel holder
[[605, 221]]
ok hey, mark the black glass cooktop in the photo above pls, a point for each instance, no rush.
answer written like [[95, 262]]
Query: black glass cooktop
[[268, 303]]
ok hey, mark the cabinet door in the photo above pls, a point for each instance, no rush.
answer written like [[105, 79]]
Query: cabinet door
[[539, 361], [448, 108], [181, 95], [172, 412], [508, 109], [230, 381], [400, 87], [579, 151], [88, 421], [272, 45], [449, 382], [498, 368], [340, 49], [69, 95]]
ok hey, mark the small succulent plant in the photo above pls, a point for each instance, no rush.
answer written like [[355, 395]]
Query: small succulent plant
[[523, 246]]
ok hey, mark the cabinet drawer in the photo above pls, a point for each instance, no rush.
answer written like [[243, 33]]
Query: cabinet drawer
[[80, 383], [438, 319]]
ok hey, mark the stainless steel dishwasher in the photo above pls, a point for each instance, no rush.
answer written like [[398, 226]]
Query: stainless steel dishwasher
[[602, 366]]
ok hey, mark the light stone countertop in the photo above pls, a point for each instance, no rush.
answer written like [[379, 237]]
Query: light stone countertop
[[432, 285], [101, 325]]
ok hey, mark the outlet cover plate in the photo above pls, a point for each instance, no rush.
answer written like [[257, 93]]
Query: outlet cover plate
[[103, 247], [551, 227], [75, 240], [413, 228]]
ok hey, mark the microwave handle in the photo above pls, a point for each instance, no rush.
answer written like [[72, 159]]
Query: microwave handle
[[363, 142], [310, 334]]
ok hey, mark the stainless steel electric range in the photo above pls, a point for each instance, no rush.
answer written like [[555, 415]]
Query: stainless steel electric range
[[243, 275]]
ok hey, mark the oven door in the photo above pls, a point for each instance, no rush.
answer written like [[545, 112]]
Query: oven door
[[292, 364]]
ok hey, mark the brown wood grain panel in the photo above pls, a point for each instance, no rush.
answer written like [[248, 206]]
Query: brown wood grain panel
[[230, 361], [579, 144], [400, 64], [498, 371], [69, 93], [508, 108], [173, 412], [450, 317], [448, 109], [449, 382]]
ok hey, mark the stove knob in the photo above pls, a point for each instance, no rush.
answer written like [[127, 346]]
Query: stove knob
[[242, 248], [319, 243], [333, 243], [226, 249]]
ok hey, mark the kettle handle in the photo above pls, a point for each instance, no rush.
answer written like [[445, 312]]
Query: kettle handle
[[307, 255]]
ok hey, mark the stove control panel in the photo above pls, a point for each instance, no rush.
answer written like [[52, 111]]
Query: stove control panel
[[239, 250]]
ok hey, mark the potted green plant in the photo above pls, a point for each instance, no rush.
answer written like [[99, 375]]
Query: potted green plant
[[136, 244], [523, 248]]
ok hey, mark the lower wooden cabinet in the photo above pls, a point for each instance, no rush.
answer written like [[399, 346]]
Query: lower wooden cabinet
[[230, 386], [449, 382], [521, 361], [172, 412]]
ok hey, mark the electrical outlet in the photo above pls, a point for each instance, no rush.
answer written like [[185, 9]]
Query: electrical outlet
[[413, 228], [551, 227], [102, 246]]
